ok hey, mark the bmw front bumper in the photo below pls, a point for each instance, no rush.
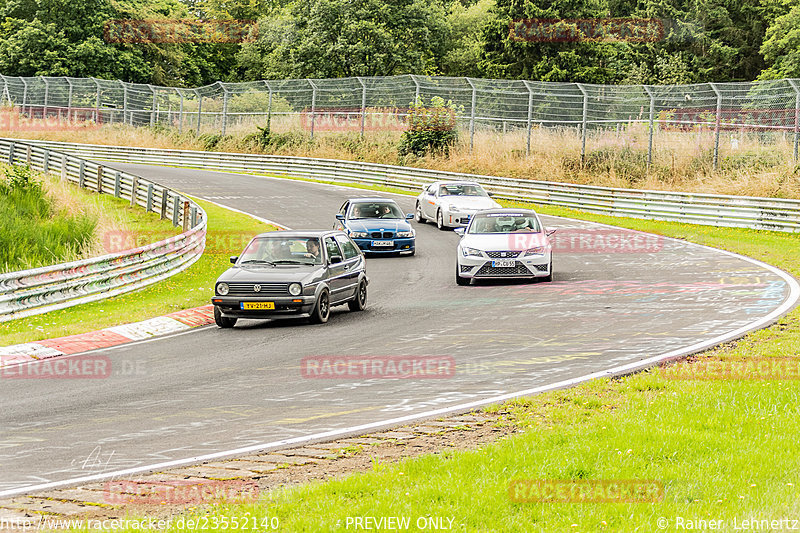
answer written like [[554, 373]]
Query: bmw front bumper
[[403, 245]]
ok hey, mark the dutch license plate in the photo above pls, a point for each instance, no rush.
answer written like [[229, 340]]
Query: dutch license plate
[[258, 305], [382, 243], [504, 263]]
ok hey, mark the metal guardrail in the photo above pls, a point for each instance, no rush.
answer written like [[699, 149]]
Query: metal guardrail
[[50, 288], [773, 214]]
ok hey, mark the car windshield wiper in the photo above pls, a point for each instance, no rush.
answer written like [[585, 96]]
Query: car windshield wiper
[[257, 261], [291, 262]]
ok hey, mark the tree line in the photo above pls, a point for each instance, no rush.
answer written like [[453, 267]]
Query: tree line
[[697, 41]]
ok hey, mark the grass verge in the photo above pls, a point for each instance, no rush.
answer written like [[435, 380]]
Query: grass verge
[[724, 450], [192, 287]]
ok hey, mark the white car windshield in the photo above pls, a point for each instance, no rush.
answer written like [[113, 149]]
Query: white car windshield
[[504, 223], [285, 251], [375, 210], [461, 189]]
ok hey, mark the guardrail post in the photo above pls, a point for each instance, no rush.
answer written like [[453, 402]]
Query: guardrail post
[[46, 96], [530, 118], [199, 109], [28, 155], [176, 211], [149, 198], [717, 124], [269, 105], [46, 162], [472, 114], [63, 168], [651, 126], [224, 109], [363, 104], [69, 98], [185, 216], [81, 175], [313, 105], [99, 179], [134, 190], [584, 121], [193, 212], [11, 148], [117, 184], [793, 83]]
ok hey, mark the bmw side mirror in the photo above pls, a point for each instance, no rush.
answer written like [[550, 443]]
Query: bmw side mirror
[[550, 232], [409, 216], [234, 258], [339, 216], [460, 231]]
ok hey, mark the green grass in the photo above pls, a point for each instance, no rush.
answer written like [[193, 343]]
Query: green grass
[[33, 232], [228, 232], [722, 449]]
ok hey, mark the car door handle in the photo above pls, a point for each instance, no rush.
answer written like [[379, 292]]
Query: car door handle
[[347, 267]]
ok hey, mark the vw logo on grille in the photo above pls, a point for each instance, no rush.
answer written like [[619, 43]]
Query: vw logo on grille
[[257, 288]]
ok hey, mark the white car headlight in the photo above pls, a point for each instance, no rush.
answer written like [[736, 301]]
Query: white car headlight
[[471, 251], [359, 234], [223, 289], [405, 234], [539, 250], [295, 289]]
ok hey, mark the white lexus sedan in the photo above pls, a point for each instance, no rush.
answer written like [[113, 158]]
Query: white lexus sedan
[[452, 203], [504, 243]]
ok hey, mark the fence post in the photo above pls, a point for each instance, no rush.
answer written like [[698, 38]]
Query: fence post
[[793, 83], [4, 92], [269, 106], [363, 104], [46, 95], [651, 127], [180, 112], [717, 124], [530, 117], [584, 121], [153, 107], [313, 104], [24, 93], [124, 103], [416, 88], [224, 108], [472, 114], [69, 98], [96, 102], [199, 109]]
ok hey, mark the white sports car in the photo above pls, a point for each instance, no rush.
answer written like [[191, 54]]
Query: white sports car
[[504, 243], [452, 203]]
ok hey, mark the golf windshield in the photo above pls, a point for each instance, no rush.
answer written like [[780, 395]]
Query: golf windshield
[[504, 223], [375, 210], [462, 189], [278, 250]]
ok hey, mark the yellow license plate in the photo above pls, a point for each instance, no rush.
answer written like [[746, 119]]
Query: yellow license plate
[[258, 305]]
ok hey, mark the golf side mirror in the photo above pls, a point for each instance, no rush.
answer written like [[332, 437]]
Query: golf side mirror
[[234, 258], [550, 231], [339, 216]]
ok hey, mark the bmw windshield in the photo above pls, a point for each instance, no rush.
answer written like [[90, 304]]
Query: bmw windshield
[[375, 210]]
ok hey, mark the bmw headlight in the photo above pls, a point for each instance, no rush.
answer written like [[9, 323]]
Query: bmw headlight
[[539, 250], [295, 289], [359, 234], [471, 251], [223, 289], [405, 234]]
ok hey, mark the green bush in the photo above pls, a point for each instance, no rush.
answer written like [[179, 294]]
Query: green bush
[[32, 232], [431, 129], [751, 160], [268, 141]]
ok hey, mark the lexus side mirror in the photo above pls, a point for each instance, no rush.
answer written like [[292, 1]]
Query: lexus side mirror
[[460, 231], [409, 216], [550, 232], [339, 216], [234, 258]]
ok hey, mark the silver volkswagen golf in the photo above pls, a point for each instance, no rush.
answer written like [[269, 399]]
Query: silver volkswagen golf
[[504, 243]]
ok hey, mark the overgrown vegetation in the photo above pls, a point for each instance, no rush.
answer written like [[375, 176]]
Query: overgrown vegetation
[[33, 231], [431, 129]]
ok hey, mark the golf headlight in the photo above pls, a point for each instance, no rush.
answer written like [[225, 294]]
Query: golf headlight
[[358, 234], [295, 289], [471, 251], [406, 234], [539, 250], [223, 289]]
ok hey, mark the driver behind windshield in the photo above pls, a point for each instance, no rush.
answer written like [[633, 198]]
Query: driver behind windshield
[[313, 251]]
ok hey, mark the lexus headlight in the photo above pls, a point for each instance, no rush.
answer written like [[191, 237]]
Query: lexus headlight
[[405, 234], [539, 250], [471, 251], [295, 289], [223, 289], [359, 234]]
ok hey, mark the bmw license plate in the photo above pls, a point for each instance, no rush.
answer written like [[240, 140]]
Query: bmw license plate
[[382, 243], [504, 263], [258, 305]]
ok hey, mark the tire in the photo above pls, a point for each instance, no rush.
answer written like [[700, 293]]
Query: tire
[[359, 303], [322, 309], [549, 276], [459, 280], [223, 321], [418, 215], [440, 220]]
